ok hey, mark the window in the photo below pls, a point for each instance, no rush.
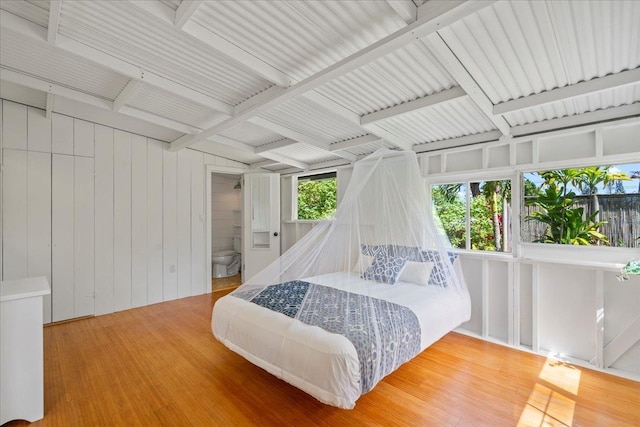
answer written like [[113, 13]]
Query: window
[[317, 196], [598, 205], [475, 214]]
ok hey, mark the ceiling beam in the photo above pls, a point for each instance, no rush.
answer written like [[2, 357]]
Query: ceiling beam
[[354, 142], [460, 141], [54, 89], [285, 160], [429, 22], [126, 93], [230, 142], [297, 136], [55, 7], [185, 11], [286, 142], [36, 32], [49, 106], [263, 164], [588, 87], [415, 105], [613, 113], [453, 65], [406, 9]]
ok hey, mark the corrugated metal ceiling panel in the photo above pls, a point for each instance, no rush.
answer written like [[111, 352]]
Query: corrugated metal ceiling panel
[[127, 32], [251, 134], [57, 66], [227, 152], [300, 38], [401, 76], [364, 149], [34, 11], [306, 117], [447, 120], [517, 48], [173, 4], [168, 105], [582, 104]]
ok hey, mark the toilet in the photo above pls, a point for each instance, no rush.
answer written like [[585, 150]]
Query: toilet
[[226, 263]]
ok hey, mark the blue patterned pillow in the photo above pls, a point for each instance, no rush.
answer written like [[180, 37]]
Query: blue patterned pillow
[[386, 267]]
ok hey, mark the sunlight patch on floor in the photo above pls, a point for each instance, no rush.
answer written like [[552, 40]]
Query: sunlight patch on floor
[[551, 402]]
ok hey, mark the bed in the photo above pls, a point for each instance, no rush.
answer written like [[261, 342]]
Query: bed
[[324, 364]]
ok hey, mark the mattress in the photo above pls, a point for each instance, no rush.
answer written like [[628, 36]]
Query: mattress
[[321, 363]]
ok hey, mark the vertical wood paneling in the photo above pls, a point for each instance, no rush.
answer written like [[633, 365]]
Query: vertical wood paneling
[[62, 211], [184, 223], [122, 220], [83, 237], [169, 225], [138, 221], [154, 221], [104, 214], [61, 134], [1, 192], [83, 138], [14, 214], [39, 131], [197, 223], [39, 220], [14, 126]]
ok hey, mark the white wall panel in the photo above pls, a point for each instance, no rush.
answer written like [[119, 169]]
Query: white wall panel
[[197, 224], [122, 220], [83, 262], [104, 284], [62, 236], [472, 270], [138, 221], [169, 225], [498, 299], [154, 221], [1, 188], [61, 134], [39, 131], [14, 125], [83, 138], [184, 223], [14, 214], [39, 220]]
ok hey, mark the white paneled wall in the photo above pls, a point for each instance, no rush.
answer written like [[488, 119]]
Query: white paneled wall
[[113, 219], [225, 211]]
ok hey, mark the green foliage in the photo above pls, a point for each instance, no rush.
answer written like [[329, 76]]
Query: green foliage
[[482, 226], [565, 223], [451, 211], [316, 199]]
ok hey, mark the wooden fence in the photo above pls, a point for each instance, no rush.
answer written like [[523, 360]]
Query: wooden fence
[[620, 211]]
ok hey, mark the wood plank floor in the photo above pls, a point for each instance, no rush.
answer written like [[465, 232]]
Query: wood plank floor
[[160, 365]]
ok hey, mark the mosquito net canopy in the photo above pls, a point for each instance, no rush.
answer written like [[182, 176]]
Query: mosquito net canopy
[[381, 273]]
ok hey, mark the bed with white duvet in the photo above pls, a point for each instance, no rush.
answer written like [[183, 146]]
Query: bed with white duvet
[[325, 364]]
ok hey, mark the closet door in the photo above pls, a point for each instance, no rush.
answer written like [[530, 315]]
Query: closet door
[[62, 234], [14, 214], [83, 232]]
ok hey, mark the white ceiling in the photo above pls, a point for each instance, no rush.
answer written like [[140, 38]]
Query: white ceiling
[[305, 84]]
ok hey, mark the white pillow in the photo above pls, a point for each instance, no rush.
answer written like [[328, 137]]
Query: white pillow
[[417, 272], [363, 263]]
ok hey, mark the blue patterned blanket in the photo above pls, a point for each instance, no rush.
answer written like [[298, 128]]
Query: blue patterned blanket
[[384, 334]]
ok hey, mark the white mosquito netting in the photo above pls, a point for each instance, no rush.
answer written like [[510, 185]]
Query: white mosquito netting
[[381, 254]]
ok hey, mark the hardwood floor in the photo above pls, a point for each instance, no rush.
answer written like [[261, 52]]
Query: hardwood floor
[[226, 282], [160, 365]]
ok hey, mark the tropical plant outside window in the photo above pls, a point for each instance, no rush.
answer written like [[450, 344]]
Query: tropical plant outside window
[[598, 205], [489, 212], [317, 196]]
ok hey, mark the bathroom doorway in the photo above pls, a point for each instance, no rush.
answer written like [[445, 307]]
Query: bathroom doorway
[[224, 228]]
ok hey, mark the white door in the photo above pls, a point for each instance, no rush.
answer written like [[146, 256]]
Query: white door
[[261, 222]]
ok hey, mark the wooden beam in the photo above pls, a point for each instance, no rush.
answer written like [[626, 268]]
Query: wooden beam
[[354, 142], [449, 12], [297, 136], [492, 135], [55, 7], [185, 11], [285, 160], [29, 29], [612, 81], [406, 9], [451, 62], [49, 107], [285, 142], [230, 142], [126, 93], [263, 164], [415, 105]]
